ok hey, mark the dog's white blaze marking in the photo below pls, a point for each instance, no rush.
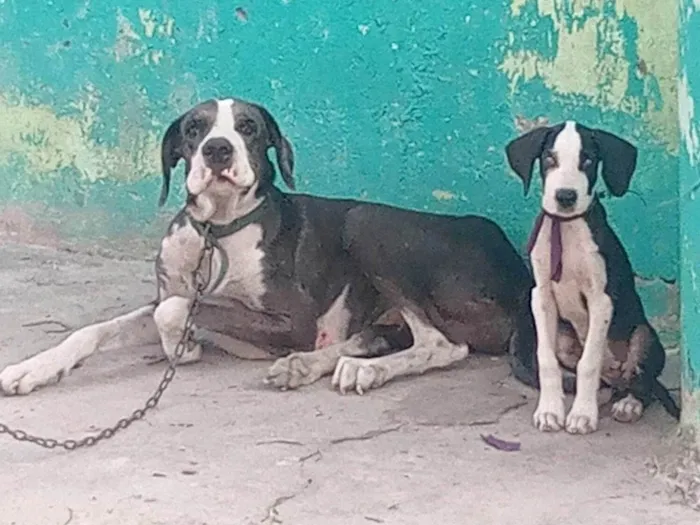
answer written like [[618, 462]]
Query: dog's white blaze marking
[[224, 127], [133, 328], [430, 350], [332, 327], [583, 274], [567, 148]]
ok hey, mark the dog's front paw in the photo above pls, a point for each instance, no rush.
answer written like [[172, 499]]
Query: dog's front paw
[[30, 374], [360, 375], [295, 370], [628, 409], [583, 417], [549, 416]]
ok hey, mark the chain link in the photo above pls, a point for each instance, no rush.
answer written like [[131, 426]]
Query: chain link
[[201, 282]]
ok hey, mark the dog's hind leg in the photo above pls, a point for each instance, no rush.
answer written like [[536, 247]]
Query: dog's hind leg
[[303, 368], [430, 350], [133, 328]]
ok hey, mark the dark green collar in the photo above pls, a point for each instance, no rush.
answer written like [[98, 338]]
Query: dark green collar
[[219, 231]]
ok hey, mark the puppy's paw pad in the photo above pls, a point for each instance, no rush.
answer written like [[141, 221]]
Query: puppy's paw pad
[[359, 375], [293, 371], [549, 417], [627, 410], [582, 421]]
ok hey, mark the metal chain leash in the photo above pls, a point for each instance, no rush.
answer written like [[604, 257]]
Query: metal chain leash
[[201, 284]]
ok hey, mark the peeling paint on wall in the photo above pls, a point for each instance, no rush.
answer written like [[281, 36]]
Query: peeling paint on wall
[[617, 54], [687, 121], [47, 143]]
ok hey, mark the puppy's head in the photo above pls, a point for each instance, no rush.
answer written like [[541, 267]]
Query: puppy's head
[[224, 144], [569, 155]]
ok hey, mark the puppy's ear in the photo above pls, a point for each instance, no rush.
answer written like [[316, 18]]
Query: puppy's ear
[[170, 155], [619, 159], [283, 149], [523, 151]]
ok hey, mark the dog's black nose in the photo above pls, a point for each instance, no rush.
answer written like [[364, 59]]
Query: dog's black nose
[[218, 153], [566, 198]]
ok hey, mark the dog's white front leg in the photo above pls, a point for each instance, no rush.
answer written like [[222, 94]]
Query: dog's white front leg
[[50, 365], [170, 318], [583, 417], [549, 415]]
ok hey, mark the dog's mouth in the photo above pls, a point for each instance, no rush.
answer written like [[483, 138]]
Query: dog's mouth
[[226, 175]]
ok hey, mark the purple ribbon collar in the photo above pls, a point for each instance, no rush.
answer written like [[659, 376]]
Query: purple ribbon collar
[[556, 248]]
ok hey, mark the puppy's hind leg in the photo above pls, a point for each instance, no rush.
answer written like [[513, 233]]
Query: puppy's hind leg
[[135, 327]]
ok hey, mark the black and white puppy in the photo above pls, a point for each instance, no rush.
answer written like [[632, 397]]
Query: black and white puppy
[[363, 291], [587, 312]]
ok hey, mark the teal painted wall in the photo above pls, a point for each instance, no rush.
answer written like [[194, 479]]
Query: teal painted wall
[[689, 191], [403, 102]]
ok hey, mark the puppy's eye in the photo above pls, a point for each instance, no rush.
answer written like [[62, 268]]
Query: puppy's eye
[[246, 127], [549, 161], [586, 163]]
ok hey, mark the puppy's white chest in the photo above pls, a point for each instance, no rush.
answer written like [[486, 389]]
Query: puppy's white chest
[[244, 279], [583, 271]]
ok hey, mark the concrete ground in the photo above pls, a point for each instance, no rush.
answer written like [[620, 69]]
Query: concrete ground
[[222, 449]]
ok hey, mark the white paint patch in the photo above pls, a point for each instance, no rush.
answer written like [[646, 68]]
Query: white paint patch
[[241, 174], [332, 327], [686, 120], [430, 350], [566, 174]]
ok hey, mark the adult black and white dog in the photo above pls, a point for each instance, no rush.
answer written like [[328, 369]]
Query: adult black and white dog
[[588, 315], [367, 292]]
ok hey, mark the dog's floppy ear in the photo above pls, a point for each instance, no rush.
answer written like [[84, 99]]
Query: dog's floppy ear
[[619, 159], [283, 149], [523, 151], [170, 155]]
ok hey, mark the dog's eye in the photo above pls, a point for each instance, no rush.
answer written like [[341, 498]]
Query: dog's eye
[[549, 161], [586, 163], [246, 127]]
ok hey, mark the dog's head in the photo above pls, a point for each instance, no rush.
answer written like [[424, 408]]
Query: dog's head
[[569, 155], [224, 144]]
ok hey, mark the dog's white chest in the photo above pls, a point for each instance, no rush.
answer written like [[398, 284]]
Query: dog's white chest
[[583, 271], [244, 279]]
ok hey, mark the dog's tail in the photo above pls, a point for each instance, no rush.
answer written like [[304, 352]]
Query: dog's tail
[[665, 398]]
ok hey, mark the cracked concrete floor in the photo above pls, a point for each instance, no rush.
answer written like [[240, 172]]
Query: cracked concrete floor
[[223, 449]]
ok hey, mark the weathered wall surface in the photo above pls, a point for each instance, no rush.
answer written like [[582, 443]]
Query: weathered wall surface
[[689, 187], [409, 103]]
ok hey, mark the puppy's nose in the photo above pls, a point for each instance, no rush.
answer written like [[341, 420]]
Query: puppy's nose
[[566, 198], [218, 153]]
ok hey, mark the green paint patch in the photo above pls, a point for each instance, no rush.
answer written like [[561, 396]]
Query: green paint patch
[[44, 144], [619, 55]]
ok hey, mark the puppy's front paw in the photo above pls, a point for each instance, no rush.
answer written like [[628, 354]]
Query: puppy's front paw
[[628, 409], [549, 416], [583, 417]]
